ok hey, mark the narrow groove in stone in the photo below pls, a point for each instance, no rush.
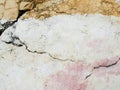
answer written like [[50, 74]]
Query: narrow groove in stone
[[107, 66]]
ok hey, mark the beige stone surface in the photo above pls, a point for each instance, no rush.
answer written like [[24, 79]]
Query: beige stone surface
[[26, 5], [10, 4], [106, 7], [10, 8], [46, 8], [10, 14], [2, 1], [1, 11]]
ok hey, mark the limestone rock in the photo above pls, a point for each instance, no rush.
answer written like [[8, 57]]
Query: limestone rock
[[72, 49], [4, 24], [64, 52]]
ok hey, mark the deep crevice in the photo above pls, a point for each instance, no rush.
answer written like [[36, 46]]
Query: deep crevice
[[1, 32], [10, 23], [21, 12]]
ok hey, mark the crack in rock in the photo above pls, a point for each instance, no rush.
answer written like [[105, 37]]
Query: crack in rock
[[50, 55], [17, 42], [88, 76], [6, 25], [107, 66], [13, 42]]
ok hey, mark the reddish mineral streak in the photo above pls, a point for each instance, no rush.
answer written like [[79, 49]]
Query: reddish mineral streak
[[95, 45], [73, 77], [112, 70], [70, 79], [107, 67], [65, 81], [106, 61]]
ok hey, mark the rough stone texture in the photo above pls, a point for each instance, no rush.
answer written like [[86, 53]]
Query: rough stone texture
[[46, 8], [56, 7], [9, 9], [1, 11], [26, 5], [65, 52]]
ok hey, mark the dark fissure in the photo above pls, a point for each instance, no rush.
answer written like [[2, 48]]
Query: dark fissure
[[10, 23], [21, 12]]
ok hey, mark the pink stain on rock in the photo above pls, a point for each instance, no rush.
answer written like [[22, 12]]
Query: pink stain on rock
[[73, 77], [106, 61], [95, 45], [109, 66]]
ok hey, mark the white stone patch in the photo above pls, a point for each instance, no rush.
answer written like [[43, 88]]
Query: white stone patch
[[67, 40], [74, 37]]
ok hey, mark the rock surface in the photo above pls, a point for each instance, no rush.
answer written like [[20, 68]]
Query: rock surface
[[9, 9], [64, 52], [4, 24], [69, 48], [56, 7]]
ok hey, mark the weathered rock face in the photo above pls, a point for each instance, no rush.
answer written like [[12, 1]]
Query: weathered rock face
[[46, 8], [9, 9], [72, 49], [64, 52]]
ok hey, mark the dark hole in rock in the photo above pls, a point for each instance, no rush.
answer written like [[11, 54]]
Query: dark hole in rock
[[10, 23], [21, 12], [1, 32]]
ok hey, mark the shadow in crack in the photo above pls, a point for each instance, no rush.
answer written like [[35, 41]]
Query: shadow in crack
[[21, 12], [10, 23], [6, 25]]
